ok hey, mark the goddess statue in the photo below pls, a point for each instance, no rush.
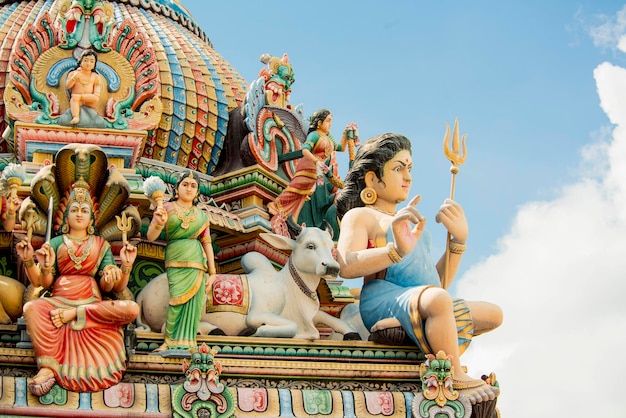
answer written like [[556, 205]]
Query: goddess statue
[[76, 332]]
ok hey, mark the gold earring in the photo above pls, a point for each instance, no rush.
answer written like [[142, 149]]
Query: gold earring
[[368, 196]]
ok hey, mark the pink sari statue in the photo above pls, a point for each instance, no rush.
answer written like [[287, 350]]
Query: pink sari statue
[[77, 336]]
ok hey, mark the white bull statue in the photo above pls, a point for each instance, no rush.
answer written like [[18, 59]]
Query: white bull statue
[[280, 304]]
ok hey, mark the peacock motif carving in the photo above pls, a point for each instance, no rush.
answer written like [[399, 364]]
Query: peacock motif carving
[[49, 49]]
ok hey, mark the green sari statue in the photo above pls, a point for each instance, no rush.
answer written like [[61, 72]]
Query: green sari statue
[[188, 259]]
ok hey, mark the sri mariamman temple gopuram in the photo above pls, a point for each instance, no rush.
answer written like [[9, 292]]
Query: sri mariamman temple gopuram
[[170, 243]]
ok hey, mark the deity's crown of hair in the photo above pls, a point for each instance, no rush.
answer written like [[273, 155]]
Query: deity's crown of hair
[[80, 193]]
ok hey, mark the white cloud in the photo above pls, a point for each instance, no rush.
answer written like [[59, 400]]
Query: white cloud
[[610, 33], [560, 277]]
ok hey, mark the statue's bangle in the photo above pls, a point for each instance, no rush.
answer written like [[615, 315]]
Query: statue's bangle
[[157, 226], [393, 253], [456, 248], [212, 271], [126, 269], [46, 270], [9, 215], [28, 263], [205, 239]]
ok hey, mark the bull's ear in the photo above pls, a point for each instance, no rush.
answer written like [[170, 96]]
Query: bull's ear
[[278, 241]]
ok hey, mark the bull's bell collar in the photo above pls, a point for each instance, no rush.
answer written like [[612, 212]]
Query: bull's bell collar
[[303, 286]]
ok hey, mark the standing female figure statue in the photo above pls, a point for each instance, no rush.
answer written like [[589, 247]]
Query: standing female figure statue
[[390, 249], [310, 185], [77, 335], [188, 258]]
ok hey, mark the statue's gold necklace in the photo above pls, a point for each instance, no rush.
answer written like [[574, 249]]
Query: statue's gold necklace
[[78, 261], [84, 83], [185, 215]]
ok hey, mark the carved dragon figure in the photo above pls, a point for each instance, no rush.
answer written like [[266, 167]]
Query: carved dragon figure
[[270, 118], [202, 391], [83, 20], [266, 126], [438, 397]]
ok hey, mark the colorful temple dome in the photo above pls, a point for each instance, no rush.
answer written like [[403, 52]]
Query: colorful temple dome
[[162, 73], [167, 102]]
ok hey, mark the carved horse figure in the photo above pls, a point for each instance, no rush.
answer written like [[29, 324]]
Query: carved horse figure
[[273, 303]]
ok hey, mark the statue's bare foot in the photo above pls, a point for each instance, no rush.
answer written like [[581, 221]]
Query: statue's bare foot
[[75, 120], [163, 347], [385, 323], [389, 331], [62, 316], [42, 382], [476, 390]]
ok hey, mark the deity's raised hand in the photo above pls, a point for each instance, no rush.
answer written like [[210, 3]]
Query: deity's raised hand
[[407, 226], [128, 254], [351, 131], [14, 204], [45, 255], [160, 216], [452, 216], [25, 250]]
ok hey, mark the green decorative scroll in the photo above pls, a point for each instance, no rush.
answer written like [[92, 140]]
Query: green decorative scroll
[[143, 271], [56, 396], [317, 402]]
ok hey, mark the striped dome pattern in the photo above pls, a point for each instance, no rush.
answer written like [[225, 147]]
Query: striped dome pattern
[[198, 88]]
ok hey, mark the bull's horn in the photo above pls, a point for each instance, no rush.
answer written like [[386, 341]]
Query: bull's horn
[[293, 227], [326, 226]]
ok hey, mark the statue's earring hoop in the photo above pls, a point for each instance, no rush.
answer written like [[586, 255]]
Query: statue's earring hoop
[[368, 196]]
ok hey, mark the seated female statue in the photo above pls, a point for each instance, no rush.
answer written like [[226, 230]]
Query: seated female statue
[[77, 335]]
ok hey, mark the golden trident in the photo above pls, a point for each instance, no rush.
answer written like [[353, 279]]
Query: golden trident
[[457, 158], [125, 225]]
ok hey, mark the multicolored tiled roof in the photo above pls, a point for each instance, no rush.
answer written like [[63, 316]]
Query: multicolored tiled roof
[[197, 86]]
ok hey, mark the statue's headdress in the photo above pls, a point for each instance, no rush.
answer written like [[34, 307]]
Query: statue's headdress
[[80, 194], [187, 174]]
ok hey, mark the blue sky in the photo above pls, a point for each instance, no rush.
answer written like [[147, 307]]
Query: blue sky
[[518, 75], [540, 89]]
